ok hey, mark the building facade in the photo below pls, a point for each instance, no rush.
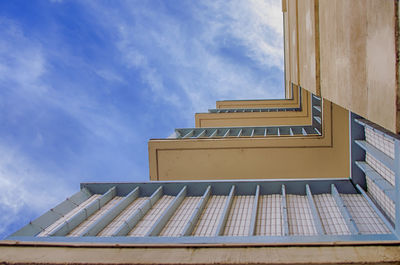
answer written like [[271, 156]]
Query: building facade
[[309, 179]]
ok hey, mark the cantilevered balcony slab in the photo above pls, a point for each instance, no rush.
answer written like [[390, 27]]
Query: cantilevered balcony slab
[[234, 218], [253, 115], [292, 102], [290, 156]]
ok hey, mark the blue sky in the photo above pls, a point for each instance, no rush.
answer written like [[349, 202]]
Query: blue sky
[[85, 84]]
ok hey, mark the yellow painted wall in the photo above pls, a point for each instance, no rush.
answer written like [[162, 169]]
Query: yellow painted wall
[[256, 158], [302, 117], [267, 103]]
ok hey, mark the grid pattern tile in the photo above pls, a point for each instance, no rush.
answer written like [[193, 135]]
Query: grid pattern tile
[[123, 216], [239, 218], [177, 223], [208, 221], [379, 167], [60, 221], [380, 141], [151, 216], [269, 215], [77, 231], [381, 198], [299, 216], [367, 221], [331, 218]]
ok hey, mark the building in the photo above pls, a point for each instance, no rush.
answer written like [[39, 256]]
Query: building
[[312, 178]]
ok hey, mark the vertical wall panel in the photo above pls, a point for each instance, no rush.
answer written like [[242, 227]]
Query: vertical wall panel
[[293, 49]]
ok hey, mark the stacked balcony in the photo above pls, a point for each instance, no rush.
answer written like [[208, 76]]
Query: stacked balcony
[[210, 212]]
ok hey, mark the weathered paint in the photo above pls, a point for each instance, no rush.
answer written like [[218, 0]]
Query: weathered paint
[[11, 252]]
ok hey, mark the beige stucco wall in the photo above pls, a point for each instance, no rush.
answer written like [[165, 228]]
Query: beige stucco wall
[[308, 40], [358, 57], [346, 51], [83, 253]]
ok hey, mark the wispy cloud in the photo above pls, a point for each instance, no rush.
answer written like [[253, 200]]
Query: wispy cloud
[[183, 62], [79, 97], [25, 190], [52, 138]]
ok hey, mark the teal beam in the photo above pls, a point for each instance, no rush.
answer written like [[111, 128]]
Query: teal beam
[[225, 213], [158, 226], [130, 223], [376, 209], [314, 211], [84, 214], [253, 219], [189, 227], [377, 154], [376, 178], [345, 213], [102, 222], [39, 224], [285, 223]]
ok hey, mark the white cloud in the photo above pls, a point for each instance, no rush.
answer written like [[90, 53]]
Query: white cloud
[[28, 185], [21, 61], [257, 24], [24, 186], [109, 75], [23, 68], [162, 48]]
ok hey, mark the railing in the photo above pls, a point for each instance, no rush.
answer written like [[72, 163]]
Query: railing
[[179, 220], [314, 129], [253, 110], [376, 167]]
